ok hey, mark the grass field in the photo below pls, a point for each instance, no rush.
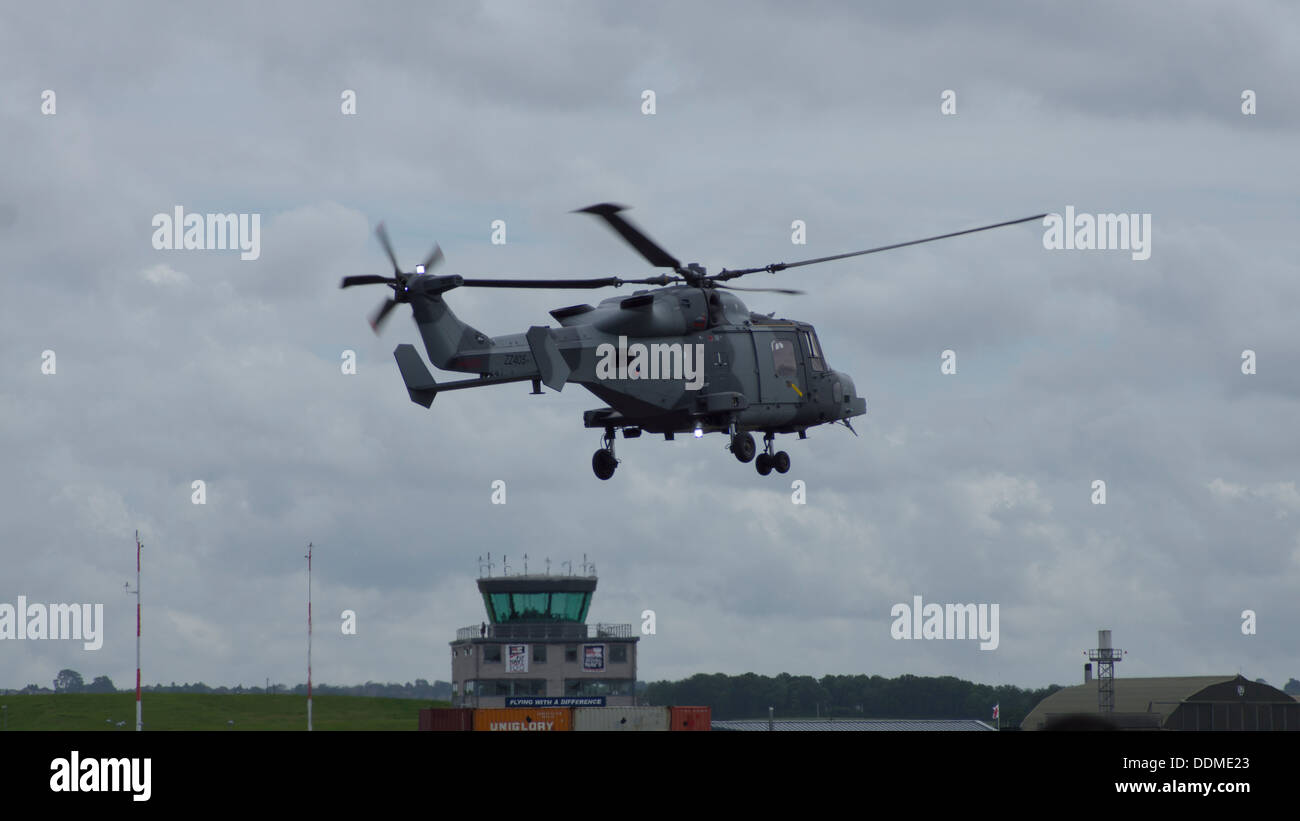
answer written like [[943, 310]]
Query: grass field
[[199, 711]]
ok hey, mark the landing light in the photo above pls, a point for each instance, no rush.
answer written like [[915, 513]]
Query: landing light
[[419, 269], [699, 431]]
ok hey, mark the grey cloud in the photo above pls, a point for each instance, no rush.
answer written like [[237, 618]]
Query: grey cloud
[[176, 366]]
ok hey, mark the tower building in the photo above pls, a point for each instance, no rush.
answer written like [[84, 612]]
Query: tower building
[[536, 648]]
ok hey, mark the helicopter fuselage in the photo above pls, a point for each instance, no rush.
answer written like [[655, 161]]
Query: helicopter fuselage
[[672, 360]]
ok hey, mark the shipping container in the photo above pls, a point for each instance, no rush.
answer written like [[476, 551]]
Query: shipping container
[[587, 719], [523, 719], [697, 719], [447, 719]]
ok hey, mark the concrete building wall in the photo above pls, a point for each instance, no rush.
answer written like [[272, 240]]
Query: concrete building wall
[[469, 663]]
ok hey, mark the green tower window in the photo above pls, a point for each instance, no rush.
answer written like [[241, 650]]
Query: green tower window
[[537, 607]]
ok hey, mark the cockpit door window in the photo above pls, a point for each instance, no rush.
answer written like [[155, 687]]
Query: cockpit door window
[[813, 351]]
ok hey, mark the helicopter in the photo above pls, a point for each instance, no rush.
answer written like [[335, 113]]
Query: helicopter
[[684, 357]]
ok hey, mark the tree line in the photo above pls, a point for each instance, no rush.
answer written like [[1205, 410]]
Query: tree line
[[858, 696], [70, 681]]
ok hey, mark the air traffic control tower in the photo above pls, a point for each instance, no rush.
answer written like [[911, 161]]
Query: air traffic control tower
[[536, 648]]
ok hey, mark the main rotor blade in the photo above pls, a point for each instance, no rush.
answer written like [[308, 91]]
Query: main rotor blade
[[781, 266], [367, 279], [377, 320], [382, 233], [605, 282], [789, 291], [644, 246]]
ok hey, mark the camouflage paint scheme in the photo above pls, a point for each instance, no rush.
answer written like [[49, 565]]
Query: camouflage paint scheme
[[761, 374]]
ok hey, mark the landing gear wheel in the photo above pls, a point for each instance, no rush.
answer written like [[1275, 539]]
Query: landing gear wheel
[[764, 464], [781, 461], [603, 464], [742, 444]]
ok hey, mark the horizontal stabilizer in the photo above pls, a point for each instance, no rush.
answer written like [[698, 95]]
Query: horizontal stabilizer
[[420, 384]]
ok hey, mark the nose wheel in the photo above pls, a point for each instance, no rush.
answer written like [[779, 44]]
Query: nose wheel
[[767, 461], [603, 462]]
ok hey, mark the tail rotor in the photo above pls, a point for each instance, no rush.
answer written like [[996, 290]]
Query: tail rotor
[[398, 281]]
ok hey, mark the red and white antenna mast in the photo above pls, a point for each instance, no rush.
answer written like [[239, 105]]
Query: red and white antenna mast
[[309, 636], [139, 719]]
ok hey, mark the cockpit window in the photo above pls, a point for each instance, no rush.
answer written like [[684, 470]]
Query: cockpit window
[[715, 309], [783, 359], [813, 351]]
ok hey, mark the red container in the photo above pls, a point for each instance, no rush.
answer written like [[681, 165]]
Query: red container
[[447, 719], [688, 719]]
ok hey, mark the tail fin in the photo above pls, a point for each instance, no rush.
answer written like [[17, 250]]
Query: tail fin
[[420, 384], [445, 336]]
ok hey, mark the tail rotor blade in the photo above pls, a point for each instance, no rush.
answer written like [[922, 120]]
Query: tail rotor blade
[[377, 321], [382, 233], [434, 259], [368, 279]]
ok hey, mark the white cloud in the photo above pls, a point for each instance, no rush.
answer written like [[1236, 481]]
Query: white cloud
[[163, 274]]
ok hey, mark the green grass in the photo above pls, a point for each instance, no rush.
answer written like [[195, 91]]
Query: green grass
[[202, 711]]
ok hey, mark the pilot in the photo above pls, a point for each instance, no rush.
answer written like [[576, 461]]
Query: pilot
[[715, 309]]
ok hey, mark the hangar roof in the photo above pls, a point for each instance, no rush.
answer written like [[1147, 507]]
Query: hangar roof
[[1160, 696]]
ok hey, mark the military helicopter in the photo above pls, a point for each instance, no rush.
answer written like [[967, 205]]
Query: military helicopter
[[684, 357]]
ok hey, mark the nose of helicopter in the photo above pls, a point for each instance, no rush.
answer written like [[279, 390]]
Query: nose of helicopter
[[852, 404]]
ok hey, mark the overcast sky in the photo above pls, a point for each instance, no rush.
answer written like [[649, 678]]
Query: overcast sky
[[1072, 366]]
